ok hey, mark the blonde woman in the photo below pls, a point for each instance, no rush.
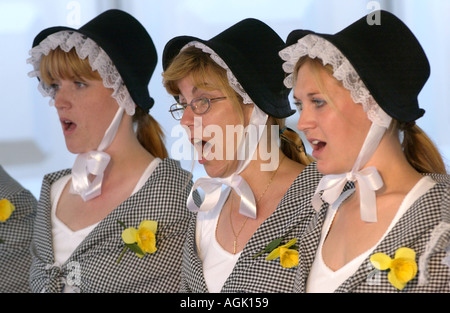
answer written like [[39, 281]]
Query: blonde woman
[[98, 79], [382, 196]]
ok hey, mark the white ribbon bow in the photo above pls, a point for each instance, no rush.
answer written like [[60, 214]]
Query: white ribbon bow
[[91, 163], [368, 179], [94, 163], [212, 186]]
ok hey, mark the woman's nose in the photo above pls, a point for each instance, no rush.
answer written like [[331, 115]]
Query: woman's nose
[[188, 117], [62, 98], [305, 121]]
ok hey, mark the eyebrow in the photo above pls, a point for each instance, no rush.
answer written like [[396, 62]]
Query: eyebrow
[[311, 94]]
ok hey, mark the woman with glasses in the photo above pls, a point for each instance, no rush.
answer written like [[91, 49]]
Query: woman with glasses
[[117, 220], [232, 103]]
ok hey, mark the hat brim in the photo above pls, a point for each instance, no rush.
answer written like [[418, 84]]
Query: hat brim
[[276, 105], [393, 73], [107, 30]]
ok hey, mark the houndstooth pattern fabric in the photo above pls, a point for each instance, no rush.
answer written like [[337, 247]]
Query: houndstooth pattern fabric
[[413, 230], [93, 266], [16, 232], [256, 275]]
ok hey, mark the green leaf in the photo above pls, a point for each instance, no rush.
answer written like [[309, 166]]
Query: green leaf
[[270, 247], [273, 245], [121, 223], [135, 248], [1, 241]]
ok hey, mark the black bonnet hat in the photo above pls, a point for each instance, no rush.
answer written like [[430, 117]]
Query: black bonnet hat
[[127, 44], [250, 50], [387, 57]]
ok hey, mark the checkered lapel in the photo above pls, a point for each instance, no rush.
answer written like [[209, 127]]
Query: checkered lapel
[[162, 198], [412, 231], [259, 275]]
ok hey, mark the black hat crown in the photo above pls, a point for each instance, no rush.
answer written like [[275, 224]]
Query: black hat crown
[[127, 44], [250, 49], [387, 57]]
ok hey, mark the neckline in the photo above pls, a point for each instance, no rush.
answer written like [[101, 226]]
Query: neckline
[[418, 190]]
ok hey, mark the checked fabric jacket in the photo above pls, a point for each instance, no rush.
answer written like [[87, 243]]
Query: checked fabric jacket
[[93, 266], [425, 228], [16, 232], [256, 275]]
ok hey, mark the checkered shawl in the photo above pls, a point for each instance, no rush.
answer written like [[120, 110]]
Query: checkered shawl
[[257, 275], [93, 266], [16, 232], [413, 230]]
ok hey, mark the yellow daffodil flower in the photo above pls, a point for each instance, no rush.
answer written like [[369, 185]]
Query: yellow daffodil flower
[[288, 257], [402, 268], [141, 240], [144, 237], [6, 209]]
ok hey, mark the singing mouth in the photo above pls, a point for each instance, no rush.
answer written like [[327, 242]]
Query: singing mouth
[[67, 125], [202, 147], [317, 145]]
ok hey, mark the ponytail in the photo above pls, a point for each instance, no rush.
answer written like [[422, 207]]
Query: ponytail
[[292, 145], [150, 134], [419, 150]]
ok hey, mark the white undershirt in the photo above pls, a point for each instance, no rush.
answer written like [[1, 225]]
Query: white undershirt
[[217, 262], [65, 240], [321, 278]]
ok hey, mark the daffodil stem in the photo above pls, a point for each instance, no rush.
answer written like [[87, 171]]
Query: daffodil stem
[[123, 252]]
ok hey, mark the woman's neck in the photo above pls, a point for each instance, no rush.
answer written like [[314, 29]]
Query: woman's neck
[[397, 173]]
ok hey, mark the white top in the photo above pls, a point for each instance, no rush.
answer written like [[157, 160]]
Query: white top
[[217, 262], [321, 278], [65, 240]]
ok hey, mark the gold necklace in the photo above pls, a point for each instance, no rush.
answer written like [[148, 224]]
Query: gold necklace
[[257, 201]]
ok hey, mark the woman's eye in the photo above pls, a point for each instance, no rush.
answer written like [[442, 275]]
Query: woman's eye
[[318, 102], [80, 84], [299, 105], [54, 87]]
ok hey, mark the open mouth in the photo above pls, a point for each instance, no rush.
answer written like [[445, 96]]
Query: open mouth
[[67, 125], [203, 149], [317, 147]]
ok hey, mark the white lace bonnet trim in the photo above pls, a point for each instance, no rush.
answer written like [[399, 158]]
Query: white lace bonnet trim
[[234, 83], [98, 60], [317, 47]]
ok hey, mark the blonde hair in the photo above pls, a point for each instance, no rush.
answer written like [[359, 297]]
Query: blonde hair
[[60, 64], [208, 75], [418, 148]]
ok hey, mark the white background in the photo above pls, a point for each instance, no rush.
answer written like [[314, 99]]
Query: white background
[[31, 141]]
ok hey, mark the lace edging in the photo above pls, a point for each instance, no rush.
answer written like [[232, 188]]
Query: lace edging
[[97, 57], [317, 47], [234, 83]]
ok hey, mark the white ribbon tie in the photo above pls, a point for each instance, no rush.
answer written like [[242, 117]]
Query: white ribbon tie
[[94, 163], [212, 186]]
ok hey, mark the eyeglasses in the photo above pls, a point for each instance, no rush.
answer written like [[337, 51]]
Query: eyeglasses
[[198, 105]]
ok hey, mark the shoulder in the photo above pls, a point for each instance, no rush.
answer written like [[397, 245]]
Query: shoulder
[[8, 185], [23, 200], [50, 178], [170, 169], [307, 181]]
